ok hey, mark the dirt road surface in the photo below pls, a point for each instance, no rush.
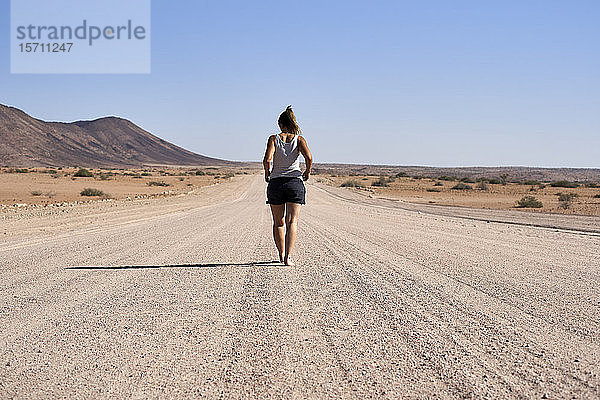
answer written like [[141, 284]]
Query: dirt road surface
[[180, 297]]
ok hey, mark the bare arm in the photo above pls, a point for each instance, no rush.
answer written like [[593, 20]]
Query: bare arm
[[303, 148], [269, 156]]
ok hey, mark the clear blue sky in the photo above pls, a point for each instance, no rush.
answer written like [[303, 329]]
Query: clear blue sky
[[443, 83]]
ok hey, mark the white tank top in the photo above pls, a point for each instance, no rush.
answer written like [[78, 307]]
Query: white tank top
[[286, 160]]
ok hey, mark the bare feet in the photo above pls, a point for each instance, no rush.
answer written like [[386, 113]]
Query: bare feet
[[289, 262]]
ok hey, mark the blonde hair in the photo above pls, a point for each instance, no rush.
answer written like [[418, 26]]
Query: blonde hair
[[287, 120]]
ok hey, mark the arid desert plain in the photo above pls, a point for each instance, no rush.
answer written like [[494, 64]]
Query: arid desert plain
[[171, 289]]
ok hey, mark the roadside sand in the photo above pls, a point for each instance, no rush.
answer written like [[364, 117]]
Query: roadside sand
[[493, 197]]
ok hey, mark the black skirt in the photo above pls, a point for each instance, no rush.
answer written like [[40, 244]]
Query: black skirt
[[286, 190]]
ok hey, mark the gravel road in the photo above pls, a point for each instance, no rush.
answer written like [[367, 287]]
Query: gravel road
[[180, 297]]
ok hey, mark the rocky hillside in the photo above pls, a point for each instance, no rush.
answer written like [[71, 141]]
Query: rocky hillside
[[105, 142]]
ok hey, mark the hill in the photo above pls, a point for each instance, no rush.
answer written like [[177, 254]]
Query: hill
[[103, 142]]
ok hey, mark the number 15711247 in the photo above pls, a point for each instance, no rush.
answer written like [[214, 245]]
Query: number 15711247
[[45, 47]]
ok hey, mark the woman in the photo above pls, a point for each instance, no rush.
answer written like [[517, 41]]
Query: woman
[[285, 191]]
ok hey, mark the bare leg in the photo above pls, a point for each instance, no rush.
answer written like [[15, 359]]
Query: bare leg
[[291, 222], [278, 228]]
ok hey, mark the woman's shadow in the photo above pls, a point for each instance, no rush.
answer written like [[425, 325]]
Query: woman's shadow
[[275, 263]]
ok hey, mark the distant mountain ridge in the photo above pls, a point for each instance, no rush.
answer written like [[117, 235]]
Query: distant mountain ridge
[[104, 142]]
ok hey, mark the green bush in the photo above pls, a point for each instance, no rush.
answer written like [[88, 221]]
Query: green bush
[[564, 184], [529, 183], [462, 186], [157, 183], [447, 178], [401, 175], [383, 181], [92, 192], [529, 202], [566, 199], [36, 192], [494, 181], [438, 184], [352, 183], [467, 180], [146, 174], [83, 173], [434, 190], [17, 170]]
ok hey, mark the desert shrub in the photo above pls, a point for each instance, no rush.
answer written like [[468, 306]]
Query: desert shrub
[[564, 184], [597, 196], [200, 172], [591, 185], [364, 179], [438, 184], [467, 179], [401, 175], [529, 202], [352, 183], [83, 173], [482, 185], [503, 179], [229, 175], [434, 189], [49, 171], [157, 183], [382, 181], [92, 192], [462, 186], [104, 177], [447, 178], [529, 183], [494, 181], [181, 179], [566, 199], [17, 170], [36, 192], [146, 174]]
